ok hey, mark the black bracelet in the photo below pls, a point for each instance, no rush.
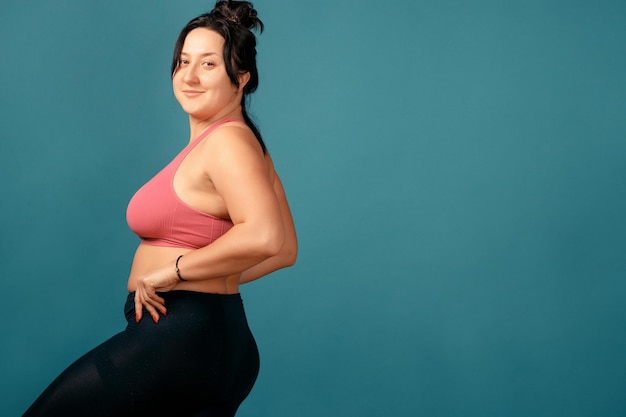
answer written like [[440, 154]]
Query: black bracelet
[[178, 270]]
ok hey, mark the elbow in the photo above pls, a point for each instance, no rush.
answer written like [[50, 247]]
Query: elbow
[[271, 243], [277, 243], [289, 260], [283, 248], [289, 251], [290, 254]]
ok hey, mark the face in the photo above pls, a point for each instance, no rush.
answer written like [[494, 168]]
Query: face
[[201, 84]]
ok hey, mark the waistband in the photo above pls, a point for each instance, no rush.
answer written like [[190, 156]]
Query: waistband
[[192, 302], [176, 295]]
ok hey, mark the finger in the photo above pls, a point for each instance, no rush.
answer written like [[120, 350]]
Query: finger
[[158, 305], [138, 308], [155, 302], [152, 311], [158, 299], [155, 299]]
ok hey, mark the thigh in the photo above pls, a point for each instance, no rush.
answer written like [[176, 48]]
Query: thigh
[[201, 356], [90, 386], [136, 372], [224, 409]]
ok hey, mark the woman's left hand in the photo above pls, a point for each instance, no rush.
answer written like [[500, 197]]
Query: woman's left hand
[[161, 280]]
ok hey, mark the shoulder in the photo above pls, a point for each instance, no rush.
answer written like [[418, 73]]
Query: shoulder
[[231, 137], [232, 148]]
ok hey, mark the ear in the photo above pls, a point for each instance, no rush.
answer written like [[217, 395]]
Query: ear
[[244, 77]]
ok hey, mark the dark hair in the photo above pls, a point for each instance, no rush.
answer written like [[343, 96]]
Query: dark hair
[[234, 20]]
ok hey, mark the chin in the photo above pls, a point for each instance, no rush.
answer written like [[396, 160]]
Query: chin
[[194, 112]]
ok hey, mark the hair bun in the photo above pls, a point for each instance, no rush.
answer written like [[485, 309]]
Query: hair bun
[[241, 12]]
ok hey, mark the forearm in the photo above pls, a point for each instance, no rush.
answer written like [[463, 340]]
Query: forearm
[[282, 260], [236, 251]]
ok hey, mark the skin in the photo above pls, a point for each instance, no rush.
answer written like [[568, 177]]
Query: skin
[[226, 175]]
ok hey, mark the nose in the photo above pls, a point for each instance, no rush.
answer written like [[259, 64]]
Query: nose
[[190, 75]]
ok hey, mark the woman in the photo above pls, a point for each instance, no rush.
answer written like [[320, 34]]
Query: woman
[[214, 218]]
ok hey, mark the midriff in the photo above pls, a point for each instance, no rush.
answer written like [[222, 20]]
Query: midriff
[[148, 258]]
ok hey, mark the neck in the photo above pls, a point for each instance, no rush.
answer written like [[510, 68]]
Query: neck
[[197, 126]]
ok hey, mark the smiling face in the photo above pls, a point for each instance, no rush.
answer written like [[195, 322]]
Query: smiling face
[[201, 84]]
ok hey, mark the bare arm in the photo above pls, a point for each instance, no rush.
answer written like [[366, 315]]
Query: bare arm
[[238, 169], [289, 251]]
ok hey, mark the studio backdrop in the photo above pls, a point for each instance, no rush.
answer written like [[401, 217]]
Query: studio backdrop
[[456, 171]]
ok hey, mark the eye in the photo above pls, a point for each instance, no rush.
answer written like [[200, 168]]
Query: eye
[[182, 61], [208, 64]]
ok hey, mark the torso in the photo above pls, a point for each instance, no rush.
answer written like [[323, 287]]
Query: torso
[[194, 187], [147, 258]]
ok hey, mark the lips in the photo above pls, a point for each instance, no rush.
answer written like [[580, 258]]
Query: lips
[[192, 93]]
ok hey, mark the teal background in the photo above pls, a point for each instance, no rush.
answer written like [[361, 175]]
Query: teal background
[[456, 171]]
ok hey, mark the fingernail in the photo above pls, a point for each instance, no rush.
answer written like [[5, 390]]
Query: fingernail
[[137, 318]]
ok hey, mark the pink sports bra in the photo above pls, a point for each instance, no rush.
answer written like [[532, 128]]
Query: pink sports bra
[[160, 218]]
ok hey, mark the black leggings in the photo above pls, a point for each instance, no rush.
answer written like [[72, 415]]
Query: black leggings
[[199, 360]]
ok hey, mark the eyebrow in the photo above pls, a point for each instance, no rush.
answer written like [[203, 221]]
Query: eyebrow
[[202, 55]]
